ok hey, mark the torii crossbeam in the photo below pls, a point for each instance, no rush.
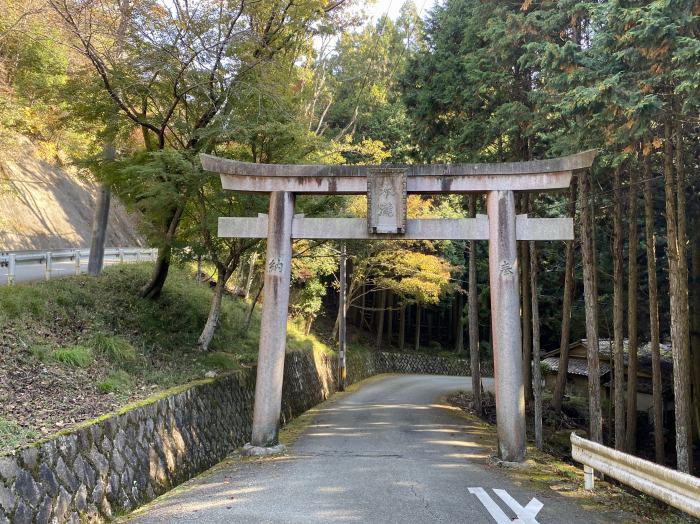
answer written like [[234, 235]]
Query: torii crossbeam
[[387, 188]]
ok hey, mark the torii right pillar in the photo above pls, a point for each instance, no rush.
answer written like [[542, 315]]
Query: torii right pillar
[[505, 325]]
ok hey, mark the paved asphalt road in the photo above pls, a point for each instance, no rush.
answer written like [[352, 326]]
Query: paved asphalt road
[[386, 453]]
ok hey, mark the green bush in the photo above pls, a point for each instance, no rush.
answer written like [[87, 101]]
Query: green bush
[[118, 381], [78, 356], [113, 348]]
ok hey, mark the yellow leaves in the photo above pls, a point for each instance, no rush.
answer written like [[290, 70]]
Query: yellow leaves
[[526, 5], [649, 147], [655, 53], [419, 207], [358, 206], [416, 207], [414, 275], [629, 150]]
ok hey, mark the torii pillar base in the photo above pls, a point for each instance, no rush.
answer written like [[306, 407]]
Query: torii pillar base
[[505, 326], [273, 324]]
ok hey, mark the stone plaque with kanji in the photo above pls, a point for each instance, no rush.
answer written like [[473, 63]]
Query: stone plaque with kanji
[[386, 201]]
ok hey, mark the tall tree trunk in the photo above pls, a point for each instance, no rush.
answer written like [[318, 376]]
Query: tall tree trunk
[[657, 386], [562, 373], [402, 327], [417, 337], [154, 287], [251, 308], [381, 313], [100, 220], [590, 292], [695, 318], [212, 322], [251, 274], [678, 293], [389, 318], [618, 314], [682, 214], [631, 440], [474, 318], [526, 304], [99, 230], [536, 370]]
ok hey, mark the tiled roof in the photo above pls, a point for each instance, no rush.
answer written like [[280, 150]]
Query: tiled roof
[[577, 366]]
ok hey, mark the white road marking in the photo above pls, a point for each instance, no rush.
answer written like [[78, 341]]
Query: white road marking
[[491, 506], [525, 515]]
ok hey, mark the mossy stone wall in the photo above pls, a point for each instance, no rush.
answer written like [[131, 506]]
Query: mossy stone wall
[[114, 464]]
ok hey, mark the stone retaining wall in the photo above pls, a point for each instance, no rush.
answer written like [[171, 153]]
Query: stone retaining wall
[[114, 464]]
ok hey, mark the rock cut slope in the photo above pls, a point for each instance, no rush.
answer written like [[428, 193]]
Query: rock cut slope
[[43, 206]]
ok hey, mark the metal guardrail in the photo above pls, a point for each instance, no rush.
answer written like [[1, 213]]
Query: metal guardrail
[[11, 260], [677, 489]]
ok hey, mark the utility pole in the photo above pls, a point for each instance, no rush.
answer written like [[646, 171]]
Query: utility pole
[[342, 327]]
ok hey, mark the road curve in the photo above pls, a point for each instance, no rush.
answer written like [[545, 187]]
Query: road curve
[[386, 453]]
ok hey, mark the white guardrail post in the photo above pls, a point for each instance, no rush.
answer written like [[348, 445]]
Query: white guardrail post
[[11, 263], [47, 265], [680, 490], [76, 255]]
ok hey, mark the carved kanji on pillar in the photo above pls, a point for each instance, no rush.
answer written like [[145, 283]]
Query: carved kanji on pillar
[[386, 201]]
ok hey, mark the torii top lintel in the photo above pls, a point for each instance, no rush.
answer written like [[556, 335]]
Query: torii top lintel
[[535, 175]]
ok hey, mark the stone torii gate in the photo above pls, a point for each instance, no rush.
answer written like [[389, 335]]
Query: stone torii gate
[[387, 188]]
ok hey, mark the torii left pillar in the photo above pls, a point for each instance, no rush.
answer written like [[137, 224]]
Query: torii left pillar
[[273, 325]]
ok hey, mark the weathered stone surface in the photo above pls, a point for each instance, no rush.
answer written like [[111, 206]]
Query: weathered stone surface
[[98, 493], [43, 514], [49, 453], [27, 489], [68, 446], [23, 514], [8, 468], [84, 472], [48, 480], [65, 476], [8, 499], [106, 445], [99, 461], [61, 505], [30, 457], [117, 461], [80, 499]]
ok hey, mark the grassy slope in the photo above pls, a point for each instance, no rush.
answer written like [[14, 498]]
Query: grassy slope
[[74, 348]]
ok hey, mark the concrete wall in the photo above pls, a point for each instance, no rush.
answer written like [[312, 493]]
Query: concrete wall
[[116, 463]]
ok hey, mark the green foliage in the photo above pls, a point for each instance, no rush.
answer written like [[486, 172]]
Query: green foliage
[[116, 382], [77, 356], [113, 348]]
